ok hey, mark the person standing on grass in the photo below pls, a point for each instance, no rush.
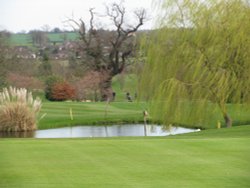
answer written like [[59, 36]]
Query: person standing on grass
[[128, 97]]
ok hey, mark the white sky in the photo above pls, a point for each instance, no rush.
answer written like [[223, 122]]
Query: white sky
[[18, 15]]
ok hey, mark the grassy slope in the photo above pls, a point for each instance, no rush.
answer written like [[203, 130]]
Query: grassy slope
[[58, 113], [122, 84], [212, 158]]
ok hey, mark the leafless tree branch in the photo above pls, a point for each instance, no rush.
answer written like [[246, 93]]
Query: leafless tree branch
[[109, 54]]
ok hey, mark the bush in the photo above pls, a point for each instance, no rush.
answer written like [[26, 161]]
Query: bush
[[62, 91], [18, 110], [50, 82]]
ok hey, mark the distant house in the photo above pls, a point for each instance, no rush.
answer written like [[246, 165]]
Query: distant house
[[23, 52]]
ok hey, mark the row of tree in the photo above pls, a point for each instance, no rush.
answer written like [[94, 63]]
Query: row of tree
[[106, 53]]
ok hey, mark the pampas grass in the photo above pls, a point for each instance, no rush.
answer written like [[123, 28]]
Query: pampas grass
[[18, 110]]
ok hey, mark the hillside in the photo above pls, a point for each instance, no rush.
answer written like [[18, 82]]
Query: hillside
[[25, 39]]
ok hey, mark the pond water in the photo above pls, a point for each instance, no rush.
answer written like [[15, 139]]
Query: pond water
[[100, 131]]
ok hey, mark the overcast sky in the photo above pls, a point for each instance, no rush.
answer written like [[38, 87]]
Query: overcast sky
[[18, 15]]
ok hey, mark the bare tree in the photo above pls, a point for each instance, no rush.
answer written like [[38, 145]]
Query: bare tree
[[39, 38], [87, 88], [108, 53]]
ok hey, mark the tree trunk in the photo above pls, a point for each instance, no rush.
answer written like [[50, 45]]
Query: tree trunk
[[226, 116], [106, 86], [228, 120]]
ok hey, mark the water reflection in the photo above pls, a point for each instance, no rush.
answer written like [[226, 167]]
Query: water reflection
[[100, 131]]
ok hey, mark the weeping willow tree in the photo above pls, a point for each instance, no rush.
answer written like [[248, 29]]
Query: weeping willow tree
[[198, 61]]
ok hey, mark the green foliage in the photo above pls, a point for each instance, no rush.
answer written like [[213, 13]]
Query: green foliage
[[49, 83], [45, 68], [198, 61], [58, 90], [4, 45], [3, 82]]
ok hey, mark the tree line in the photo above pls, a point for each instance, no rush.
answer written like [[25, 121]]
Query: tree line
[[105, 53]]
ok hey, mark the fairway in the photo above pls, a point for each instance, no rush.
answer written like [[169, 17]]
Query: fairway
[[212, 158]]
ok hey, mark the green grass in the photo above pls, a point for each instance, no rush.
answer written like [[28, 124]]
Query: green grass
[[121, 111], [122, 84], [57, 114], [20, 40], [118, 112], [58, 37], [212, 158], [25, 39]]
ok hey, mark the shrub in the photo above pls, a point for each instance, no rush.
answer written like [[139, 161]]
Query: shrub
[[50, 82], [18, 110], [62, 91]]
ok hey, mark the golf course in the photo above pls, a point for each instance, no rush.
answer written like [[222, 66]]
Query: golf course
[[211, 158], [157, 96], [62, 114]]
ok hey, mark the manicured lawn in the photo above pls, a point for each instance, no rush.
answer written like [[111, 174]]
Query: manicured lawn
[[212, 158], [57, 114]]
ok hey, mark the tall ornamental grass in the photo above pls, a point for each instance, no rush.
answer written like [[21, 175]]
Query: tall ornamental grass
[[18, 110]]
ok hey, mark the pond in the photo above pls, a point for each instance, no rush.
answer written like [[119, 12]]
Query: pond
[[100, 131]]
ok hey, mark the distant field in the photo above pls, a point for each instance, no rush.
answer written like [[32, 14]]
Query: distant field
[[25, 39]]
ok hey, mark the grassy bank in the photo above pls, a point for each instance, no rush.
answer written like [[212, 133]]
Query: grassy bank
[[212, 158], [58, 114]]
